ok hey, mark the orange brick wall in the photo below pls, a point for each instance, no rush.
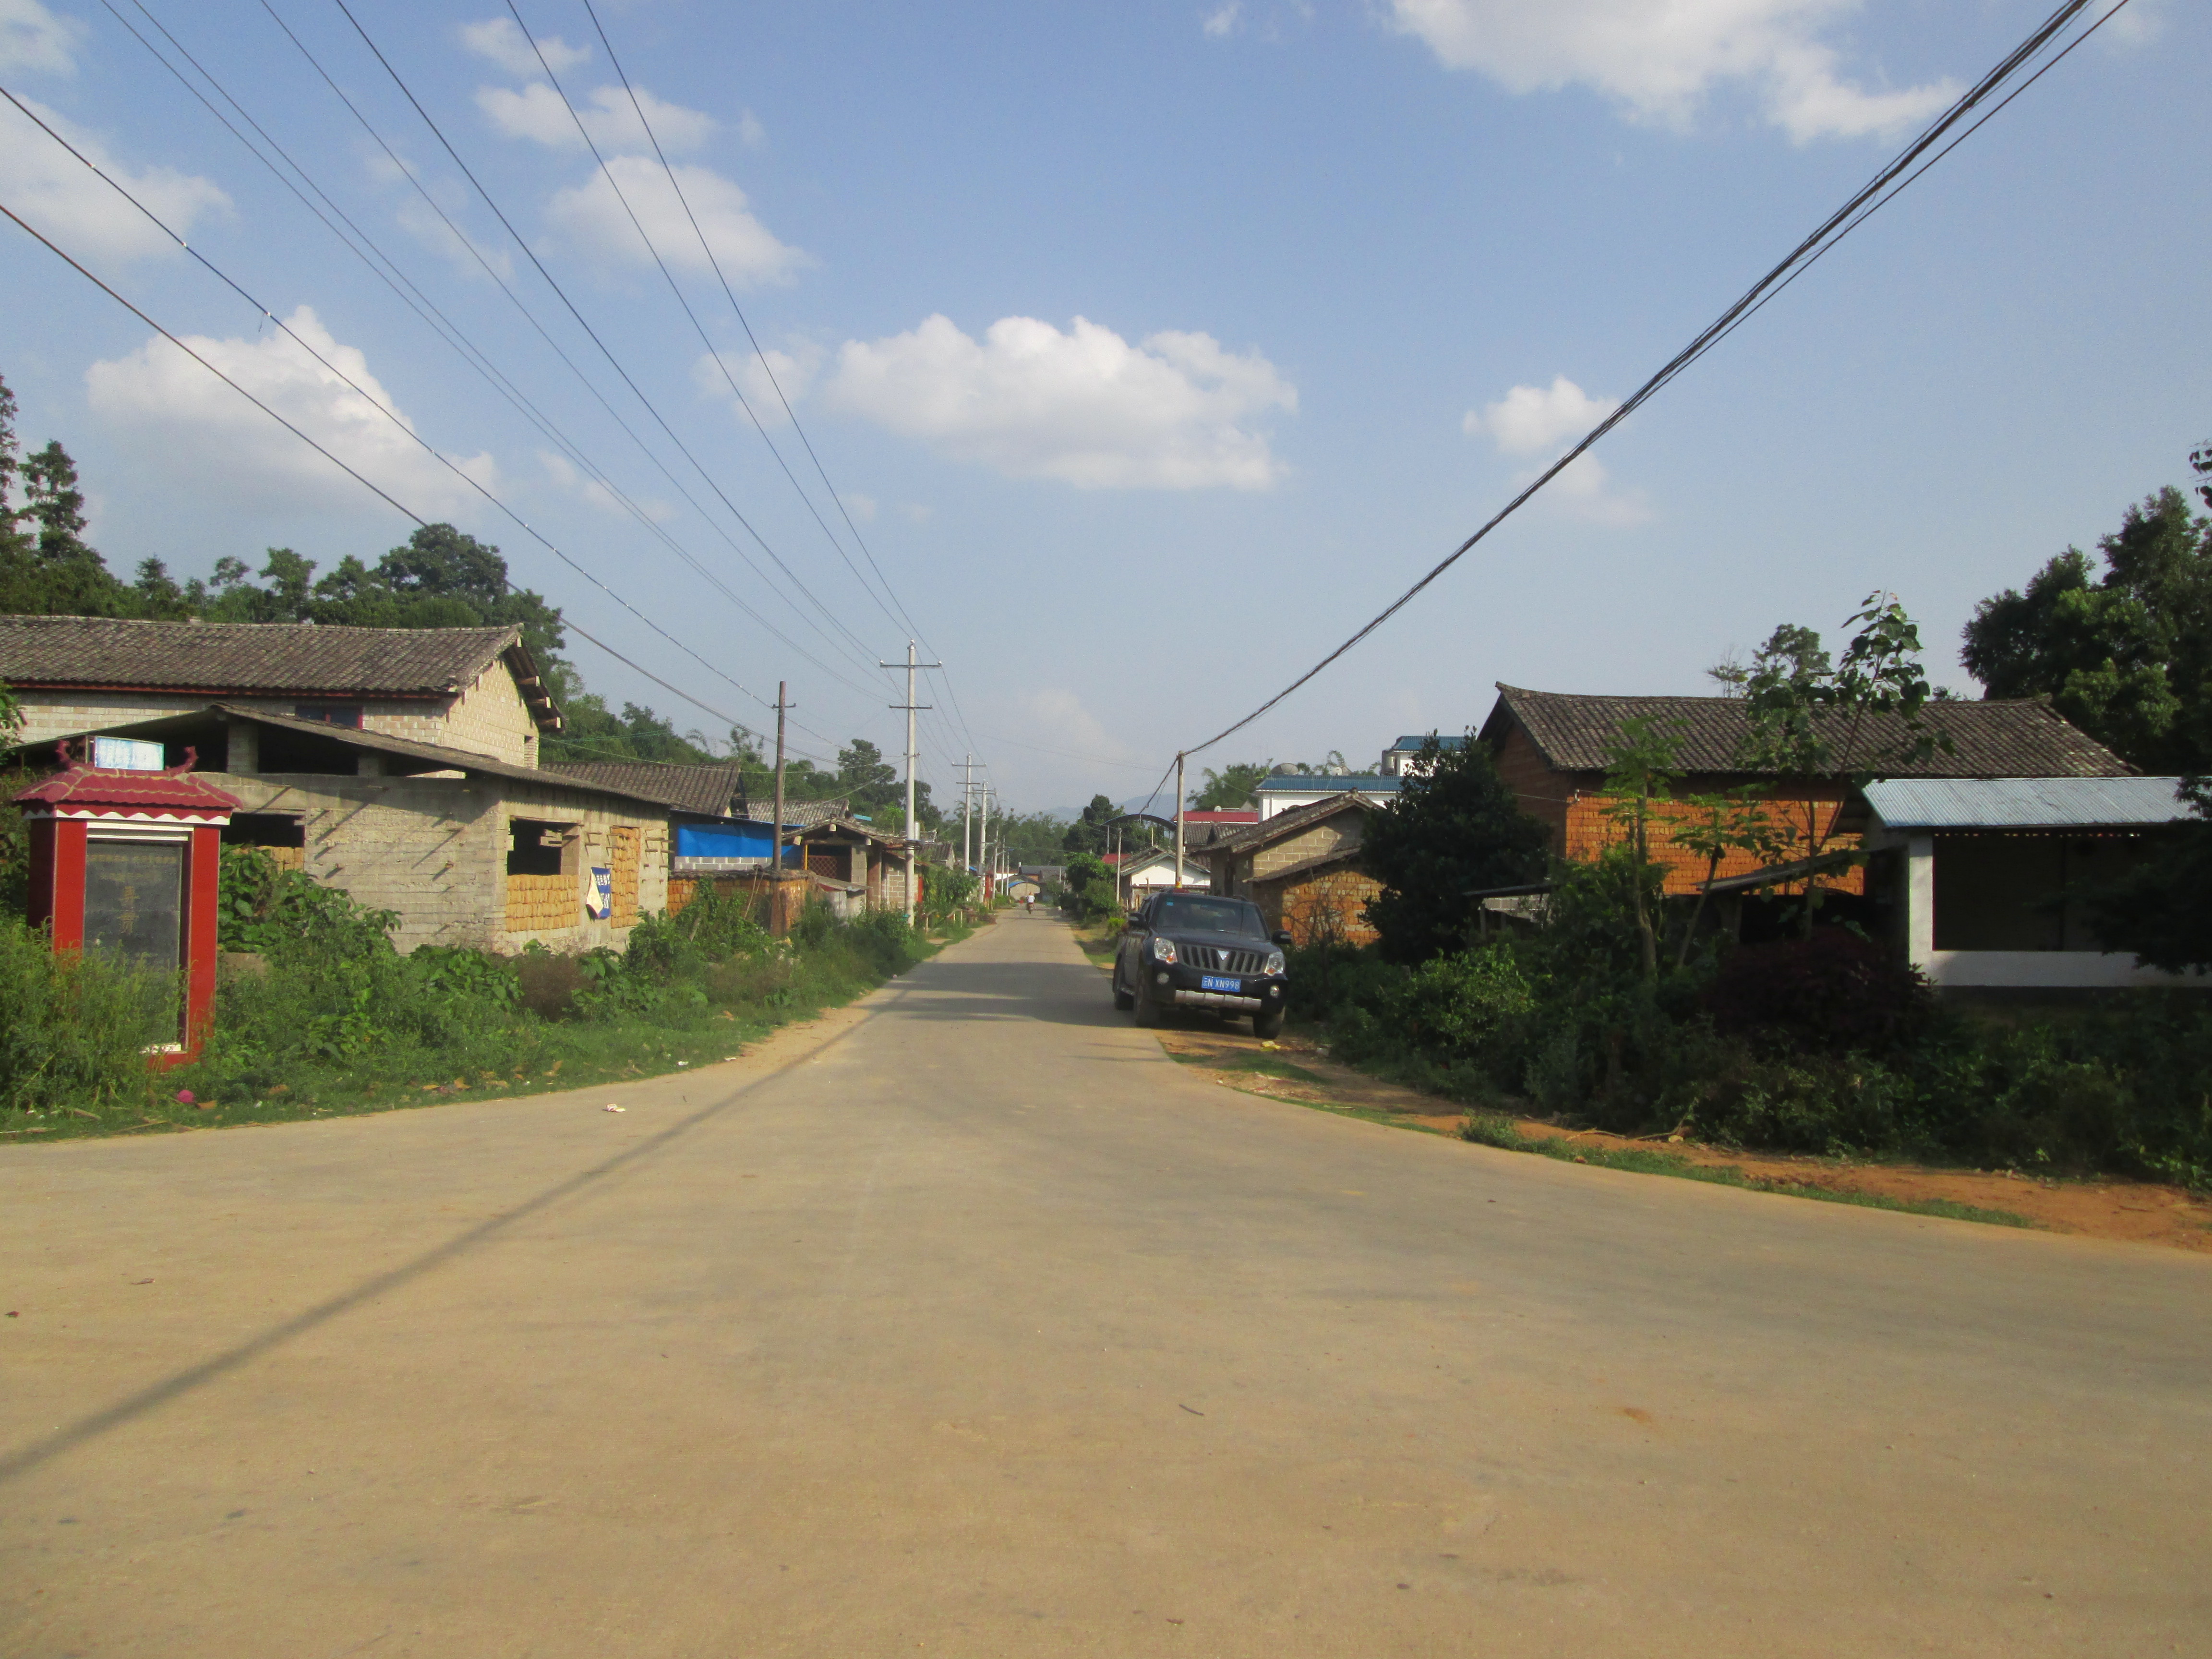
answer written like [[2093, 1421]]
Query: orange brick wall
[[1589, 832], [1323, 905]]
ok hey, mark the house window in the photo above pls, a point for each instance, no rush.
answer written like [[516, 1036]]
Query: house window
[[330, 714], [534, 848], [264, 829]]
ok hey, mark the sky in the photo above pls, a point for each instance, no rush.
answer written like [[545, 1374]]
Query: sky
[[1149, 347]]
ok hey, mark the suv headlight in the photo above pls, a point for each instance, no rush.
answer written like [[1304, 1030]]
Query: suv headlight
[[1163, 949], [1275, 964]]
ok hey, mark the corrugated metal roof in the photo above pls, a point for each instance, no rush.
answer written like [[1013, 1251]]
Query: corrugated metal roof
[[1333, 783], [2025, 803]]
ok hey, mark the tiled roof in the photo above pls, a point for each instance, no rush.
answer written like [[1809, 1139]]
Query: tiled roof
[[1990, 739], [298, 658], [1283, 824], [803, 812], [709, 791], [1408, 744], [200, 722], [81, 787]]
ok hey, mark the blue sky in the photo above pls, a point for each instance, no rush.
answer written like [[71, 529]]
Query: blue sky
[[1153, 347]]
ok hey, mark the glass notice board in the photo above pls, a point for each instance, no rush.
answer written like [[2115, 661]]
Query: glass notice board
[[133, 900]]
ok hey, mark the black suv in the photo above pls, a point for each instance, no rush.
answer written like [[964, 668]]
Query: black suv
[[1192, 950]]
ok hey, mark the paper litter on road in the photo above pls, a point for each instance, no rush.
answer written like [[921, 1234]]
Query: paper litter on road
[[612, 1109]]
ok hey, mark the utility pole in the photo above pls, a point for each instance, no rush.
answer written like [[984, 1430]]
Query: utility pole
[[983, 846], [910, 706], [967, 813], [1178, 873], [775, 863]]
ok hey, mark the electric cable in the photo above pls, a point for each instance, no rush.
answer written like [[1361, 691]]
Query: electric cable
[[768, 369], [592, 334], [500, 281], [1832, 229], [413, 296]]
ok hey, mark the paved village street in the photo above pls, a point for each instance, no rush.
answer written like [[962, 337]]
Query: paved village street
[[975, 1326]]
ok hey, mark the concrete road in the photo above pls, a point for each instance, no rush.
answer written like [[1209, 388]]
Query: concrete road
[[980, 1327]]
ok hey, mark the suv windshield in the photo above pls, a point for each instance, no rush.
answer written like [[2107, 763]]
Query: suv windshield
[[1183, 914]]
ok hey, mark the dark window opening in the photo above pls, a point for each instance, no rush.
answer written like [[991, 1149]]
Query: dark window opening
[[264, 830], [300, 751], [534, 848], [330, 714]]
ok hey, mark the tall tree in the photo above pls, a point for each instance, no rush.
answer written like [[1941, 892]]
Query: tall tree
[[1640, 771], [1843, 723], [1231, 787], [2126, 653], [1453, 829], [1089, 833]]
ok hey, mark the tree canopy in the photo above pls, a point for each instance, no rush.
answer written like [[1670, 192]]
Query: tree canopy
[[1231, 787], [2126, 653], [1453, 829], [1089, 833]]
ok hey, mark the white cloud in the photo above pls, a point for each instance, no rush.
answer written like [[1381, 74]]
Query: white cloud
[[1220, 22], [1059, 718], [564, 473], [1533, 418], [1085, 407], [751, 133], [537, 113], [862, 507], [1659, 59], [55, 191], [32, 38], [498, 39], [793, 374], [590, 216], [185, 425]]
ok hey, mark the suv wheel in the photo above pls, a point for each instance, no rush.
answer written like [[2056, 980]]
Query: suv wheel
[[1148, 1011], [1122, 1001]]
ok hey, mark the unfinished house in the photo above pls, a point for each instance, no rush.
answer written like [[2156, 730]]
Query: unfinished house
[[464, 848], [1302, 868], [475, 689]]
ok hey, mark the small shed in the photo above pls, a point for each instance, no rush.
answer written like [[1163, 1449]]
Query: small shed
[[1988, 875]]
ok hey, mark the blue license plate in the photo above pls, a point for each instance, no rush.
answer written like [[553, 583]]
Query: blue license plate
[[1217, 982]]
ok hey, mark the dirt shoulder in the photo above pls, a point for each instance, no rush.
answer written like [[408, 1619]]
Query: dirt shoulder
[[1296, 1072]]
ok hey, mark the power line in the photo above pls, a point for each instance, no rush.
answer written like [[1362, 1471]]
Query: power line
[[729, 294], [1832, 229], [389, 415], [515, 300], [590, 333], [412, 295]]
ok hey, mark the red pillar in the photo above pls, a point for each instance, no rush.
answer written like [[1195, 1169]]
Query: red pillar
[[200, 917], [58, 880]]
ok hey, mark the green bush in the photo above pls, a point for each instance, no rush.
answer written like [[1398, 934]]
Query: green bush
[[76, 1029]]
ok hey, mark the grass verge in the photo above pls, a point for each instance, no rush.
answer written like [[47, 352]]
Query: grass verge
[[1489, 1129]]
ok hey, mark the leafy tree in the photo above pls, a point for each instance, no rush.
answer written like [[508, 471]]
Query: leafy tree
[[1640, 766], [1089, 833], [1843, 722], [1453, 829], [1736, 821], [1231, 787], [1029, 837], [2161, 911], [2126, 655]]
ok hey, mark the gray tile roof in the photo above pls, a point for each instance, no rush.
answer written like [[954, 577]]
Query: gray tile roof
[[1283, 824], [714, 792], [291, 658], [1990, 739]]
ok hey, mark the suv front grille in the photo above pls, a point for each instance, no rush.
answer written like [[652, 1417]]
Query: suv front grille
[[1213, 959]]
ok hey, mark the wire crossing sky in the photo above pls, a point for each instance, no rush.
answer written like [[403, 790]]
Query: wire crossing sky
[[1147, 347]]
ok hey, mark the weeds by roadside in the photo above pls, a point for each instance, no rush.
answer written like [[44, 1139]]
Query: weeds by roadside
[[324, 1019]]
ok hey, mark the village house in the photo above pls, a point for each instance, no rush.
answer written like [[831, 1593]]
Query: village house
[[398, 765], [1140, 874], [1287, 792], [1550, 751], [1302, 868], [475, 689]]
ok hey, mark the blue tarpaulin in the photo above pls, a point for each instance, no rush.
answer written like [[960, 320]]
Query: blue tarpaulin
[[723, 841]]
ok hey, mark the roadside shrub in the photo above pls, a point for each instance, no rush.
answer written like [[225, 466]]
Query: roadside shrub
[[548, 983], [1464, 999], [1836, 992], [275, 912], [76, 1028]]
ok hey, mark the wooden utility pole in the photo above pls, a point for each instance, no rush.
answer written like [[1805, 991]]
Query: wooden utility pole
[[775, 863]]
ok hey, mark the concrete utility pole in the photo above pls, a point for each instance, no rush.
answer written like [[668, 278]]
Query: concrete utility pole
[[776, 860], [983, 846], [910, 706], [968, 814], [1178, 875]]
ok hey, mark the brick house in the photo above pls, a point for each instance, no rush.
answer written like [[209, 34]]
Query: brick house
[[1302, 868], [475, 689], [1550, 750]]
